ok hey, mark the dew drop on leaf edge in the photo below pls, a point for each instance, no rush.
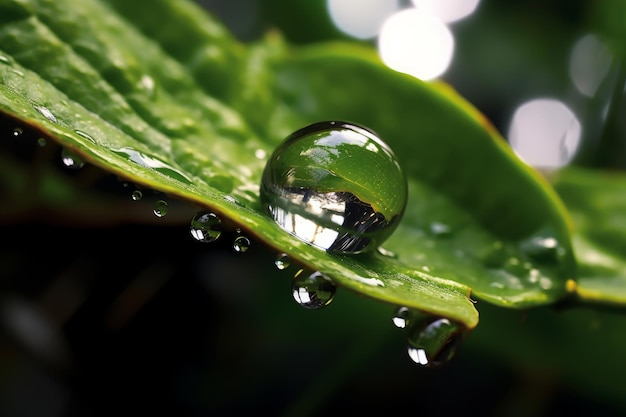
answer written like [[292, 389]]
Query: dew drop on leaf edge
[[309, 187], [160, 208], [402, 317], [312, 290], [241, 244], [136, 195], [282, 261], [433, 342], [205, 227], [71, 160]]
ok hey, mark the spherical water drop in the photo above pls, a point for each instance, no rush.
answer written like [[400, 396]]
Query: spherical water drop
[[136, 195], [335, 185], [312, 290], [160, 209], [402, 317], [206, 227], [241, 244], [434, 342], [282, 261], [41, 142], [18, 131], [71, 160]]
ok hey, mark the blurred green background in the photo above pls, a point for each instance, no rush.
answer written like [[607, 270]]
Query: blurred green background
[[141, 319]]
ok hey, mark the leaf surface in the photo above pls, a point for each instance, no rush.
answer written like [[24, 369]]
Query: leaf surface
[[166, 98]]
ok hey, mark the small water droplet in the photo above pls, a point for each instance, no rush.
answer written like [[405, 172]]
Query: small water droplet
[[41, 142], [4, 60], [312, 290], [18, 131], [282, 261], [241, 244], [136, 195], [71, 159], [205, 227], [160, 208], [45, 112], [402, 317], [433, 342], [151, 162], [85, 135], [319, 186], [544, 249]]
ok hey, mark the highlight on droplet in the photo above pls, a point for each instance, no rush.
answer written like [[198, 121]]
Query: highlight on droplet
[[415, 42], [545, 133]]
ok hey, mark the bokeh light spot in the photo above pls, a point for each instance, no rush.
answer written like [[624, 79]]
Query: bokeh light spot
[[361, 18], [417, 43], [448, 11], [589, 64], [545, 133]]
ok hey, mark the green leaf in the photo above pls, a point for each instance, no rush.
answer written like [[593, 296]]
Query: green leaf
[[597, 203], [166, 98]]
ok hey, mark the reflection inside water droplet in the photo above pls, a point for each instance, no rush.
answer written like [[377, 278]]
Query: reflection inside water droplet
[[318, 186], [282, 261], [160, 208], [312, 290], [241, 244], [205, 227]]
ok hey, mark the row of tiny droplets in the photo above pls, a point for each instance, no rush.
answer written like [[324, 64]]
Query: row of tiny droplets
[[311, 290]]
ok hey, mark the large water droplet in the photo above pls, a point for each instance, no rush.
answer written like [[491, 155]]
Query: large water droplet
[[312, 290], [335, 185], [241, 244], [160, 208], [71, 159], [433, 342], [206, 227]]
